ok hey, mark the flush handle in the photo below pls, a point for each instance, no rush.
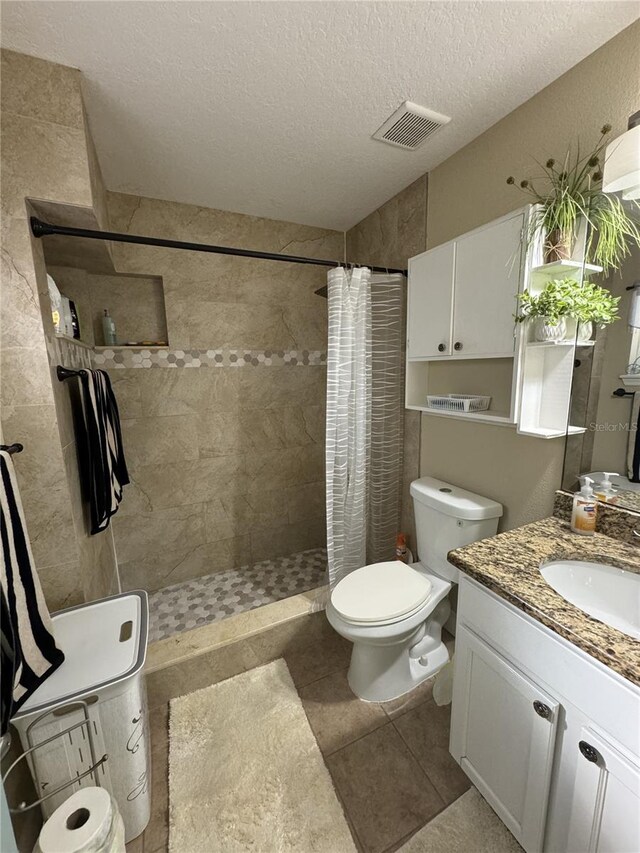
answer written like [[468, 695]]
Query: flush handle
[[589, 752], [542, 710], [457, 346], [442, 347]]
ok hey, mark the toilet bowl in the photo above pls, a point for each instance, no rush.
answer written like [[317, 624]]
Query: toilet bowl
[[393, 613]]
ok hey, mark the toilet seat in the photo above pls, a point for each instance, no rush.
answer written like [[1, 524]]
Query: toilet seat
[[381, 594]]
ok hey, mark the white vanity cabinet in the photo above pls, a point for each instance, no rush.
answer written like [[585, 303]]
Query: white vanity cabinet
[[549, 735], [462, 294], [605, 808], [504, 736]]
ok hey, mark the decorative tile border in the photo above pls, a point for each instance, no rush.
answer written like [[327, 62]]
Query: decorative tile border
[[132, 357]]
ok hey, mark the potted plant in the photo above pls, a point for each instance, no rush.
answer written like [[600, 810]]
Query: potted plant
[[593, 304], [549, 309], [566, 194]]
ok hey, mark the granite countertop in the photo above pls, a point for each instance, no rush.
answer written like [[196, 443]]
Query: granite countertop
[[509, 565]]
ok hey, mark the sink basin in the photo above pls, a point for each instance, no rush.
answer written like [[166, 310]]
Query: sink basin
[[609, 594]]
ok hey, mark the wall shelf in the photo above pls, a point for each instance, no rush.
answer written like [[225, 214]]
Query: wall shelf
[[550, 432], [565, 268], [497, 418], [69, 340], [132, 348], [565, 343]]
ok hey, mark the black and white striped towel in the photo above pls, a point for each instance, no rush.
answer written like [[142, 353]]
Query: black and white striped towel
[[104, 466], [29, 651]]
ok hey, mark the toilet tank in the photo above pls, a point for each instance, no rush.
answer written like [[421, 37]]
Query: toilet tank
[[448, 517]]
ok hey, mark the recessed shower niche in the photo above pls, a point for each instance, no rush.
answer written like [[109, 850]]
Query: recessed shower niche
[[134, 302]]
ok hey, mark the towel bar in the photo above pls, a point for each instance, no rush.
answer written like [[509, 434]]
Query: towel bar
[[12, 448], [66, 373]]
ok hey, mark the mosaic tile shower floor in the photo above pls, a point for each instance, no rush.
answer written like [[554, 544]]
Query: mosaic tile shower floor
[[196, 602]]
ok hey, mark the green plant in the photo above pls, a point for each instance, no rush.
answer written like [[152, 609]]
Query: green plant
[[594, 304], [566, 297], [553, 303], [573, 191]]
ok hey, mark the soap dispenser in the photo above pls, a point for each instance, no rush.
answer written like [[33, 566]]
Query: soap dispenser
[[585, 505], [605, 491]]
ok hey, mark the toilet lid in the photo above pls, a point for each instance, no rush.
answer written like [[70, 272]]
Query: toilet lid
[[380, 593]]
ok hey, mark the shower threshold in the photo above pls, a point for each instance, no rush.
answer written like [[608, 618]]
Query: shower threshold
[[200, 601]]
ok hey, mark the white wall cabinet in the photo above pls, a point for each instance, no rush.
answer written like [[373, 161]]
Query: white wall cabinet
[[549, 735], [487, 279], [462, 294], [504, 737], [461, 306], [430, 302]]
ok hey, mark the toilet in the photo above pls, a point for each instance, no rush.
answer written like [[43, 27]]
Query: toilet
[[393, 613]]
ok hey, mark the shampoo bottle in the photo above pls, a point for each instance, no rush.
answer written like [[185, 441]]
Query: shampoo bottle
[[585, 505], [108, 329]]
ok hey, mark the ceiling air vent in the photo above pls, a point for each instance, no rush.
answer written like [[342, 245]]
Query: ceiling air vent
[[410, 125]]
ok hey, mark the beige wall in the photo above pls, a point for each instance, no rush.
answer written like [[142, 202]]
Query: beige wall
[[44, 157], [388, 237], [469, 189], [226, 463]]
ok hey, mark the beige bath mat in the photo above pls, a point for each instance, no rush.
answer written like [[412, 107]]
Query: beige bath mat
[[246, 774], [467, 826]]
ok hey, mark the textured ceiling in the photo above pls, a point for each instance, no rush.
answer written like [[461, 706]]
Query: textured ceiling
[[268, 108]]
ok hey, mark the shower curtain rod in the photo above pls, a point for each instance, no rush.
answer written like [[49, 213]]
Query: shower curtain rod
[[44, 229]]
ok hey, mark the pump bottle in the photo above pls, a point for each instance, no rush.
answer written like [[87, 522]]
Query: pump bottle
[[604, 491], [585, 505]]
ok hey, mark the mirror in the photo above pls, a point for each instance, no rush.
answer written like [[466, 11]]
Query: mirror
[[605, 397]]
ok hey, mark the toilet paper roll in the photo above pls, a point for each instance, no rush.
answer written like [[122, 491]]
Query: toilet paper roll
[[88, 822]]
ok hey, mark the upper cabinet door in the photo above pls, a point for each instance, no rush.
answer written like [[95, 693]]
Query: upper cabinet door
[[429, 304], [486, 282]]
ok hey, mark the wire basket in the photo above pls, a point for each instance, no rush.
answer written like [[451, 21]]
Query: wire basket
[[458, 402]]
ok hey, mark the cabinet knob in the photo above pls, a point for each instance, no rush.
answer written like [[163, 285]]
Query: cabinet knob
[[457, 346], [542, 710], [442, 347], [589, 752]]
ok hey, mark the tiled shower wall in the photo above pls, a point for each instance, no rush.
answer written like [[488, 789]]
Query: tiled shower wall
[[224, 432], [389, 237], [47, 155]]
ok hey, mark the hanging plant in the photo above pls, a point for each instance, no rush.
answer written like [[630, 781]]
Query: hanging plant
[[573, 192]]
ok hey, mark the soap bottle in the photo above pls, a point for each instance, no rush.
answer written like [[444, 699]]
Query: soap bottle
[[585, 505], [108, 329], [605, 491]]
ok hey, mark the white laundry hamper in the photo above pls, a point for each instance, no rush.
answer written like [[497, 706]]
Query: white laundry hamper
[[100, 686]]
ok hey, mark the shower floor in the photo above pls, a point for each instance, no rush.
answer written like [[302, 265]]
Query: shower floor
[[196, 602]]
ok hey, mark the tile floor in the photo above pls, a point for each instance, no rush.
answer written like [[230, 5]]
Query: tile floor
[[390, 763], [196, 602]]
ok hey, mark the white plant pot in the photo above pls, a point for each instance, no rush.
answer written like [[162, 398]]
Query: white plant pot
[[585, 330], [545, 331]]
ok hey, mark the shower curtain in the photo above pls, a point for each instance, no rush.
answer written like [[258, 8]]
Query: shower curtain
[[364, 418]]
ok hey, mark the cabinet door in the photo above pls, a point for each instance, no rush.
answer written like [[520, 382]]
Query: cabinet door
[[503, 731], [486, 282], [429, 303], [605, 812]]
